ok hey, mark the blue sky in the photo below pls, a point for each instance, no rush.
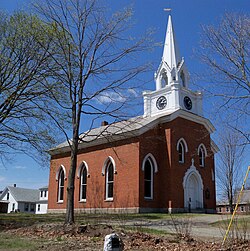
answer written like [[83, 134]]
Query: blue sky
[[187, 16]]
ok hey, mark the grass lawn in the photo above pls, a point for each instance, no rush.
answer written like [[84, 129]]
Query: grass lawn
[[12, 242]]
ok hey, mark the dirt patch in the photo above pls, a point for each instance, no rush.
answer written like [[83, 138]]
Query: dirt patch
[[55, 237]]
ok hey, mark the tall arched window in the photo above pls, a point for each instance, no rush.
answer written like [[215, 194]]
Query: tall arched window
[[202, 153], [181, 152], [61, 178], [83, 184], [181, 148], [148, 179], [109, 181]]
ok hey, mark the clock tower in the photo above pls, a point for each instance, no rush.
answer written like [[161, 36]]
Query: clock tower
[[171, 79]]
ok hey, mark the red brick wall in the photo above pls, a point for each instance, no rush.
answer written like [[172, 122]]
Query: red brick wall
[[125, 181], [129, 180]]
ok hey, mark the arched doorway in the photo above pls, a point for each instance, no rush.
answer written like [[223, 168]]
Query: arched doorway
[[193, 189]]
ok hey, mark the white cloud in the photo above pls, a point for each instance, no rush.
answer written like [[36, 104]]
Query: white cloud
[[20, 167], [108, 97], [133, 92]]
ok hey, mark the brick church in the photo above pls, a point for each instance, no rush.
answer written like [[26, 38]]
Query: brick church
[[162, 161]]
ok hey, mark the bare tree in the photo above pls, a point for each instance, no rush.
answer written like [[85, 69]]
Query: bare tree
[[97, 60], [26, 44], [229, 172], [226, 50]]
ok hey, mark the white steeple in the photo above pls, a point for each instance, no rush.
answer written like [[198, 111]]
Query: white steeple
[[171, 78], [171, 55], [172, 68]]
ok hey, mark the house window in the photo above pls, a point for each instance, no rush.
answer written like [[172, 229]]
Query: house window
[[61, 185], [38, 207], [26, 207], [13, 207], [242, 209], [41, 194], [83, 184], [32, 207], [148, 179], [227, 209], [8, 196], [220, 209], [45, 194], [109, 181]]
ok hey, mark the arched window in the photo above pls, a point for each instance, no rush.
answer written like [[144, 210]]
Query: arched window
[[181, 148], [148, 179], [83, 183], [61, 178], [164, 79], [202, 153], [109, 173], [149, 166], [83, 174], [181, 152]]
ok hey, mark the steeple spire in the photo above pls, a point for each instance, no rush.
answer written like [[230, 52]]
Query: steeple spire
[[171, 54]]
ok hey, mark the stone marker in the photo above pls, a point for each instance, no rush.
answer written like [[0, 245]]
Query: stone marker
[[113, 243]]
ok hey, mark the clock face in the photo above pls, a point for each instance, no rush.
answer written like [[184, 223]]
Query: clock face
[[161, 102], [188, 103]]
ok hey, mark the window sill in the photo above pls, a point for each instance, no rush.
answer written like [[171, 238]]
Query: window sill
[[148, 198], [109, 200], [83, 201], [60, 202]]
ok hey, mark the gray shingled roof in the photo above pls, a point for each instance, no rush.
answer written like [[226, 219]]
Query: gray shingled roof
[[128, 128], [24, 194]]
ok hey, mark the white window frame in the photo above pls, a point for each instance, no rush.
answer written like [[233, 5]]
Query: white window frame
[[60, 187], [202, 149], [183, 144], [108, 183], [83, 169], [151, 180]]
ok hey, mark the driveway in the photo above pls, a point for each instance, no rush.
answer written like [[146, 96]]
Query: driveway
[[199, 226]]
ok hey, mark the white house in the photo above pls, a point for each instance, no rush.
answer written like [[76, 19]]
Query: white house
[[16, 199], [42, 203]]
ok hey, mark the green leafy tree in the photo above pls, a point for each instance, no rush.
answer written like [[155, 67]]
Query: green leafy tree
[[26, 46]]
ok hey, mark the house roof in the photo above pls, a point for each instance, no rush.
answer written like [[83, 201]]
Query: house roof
[[130, 128], [43, 188], [245, 198], [22, 194]]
